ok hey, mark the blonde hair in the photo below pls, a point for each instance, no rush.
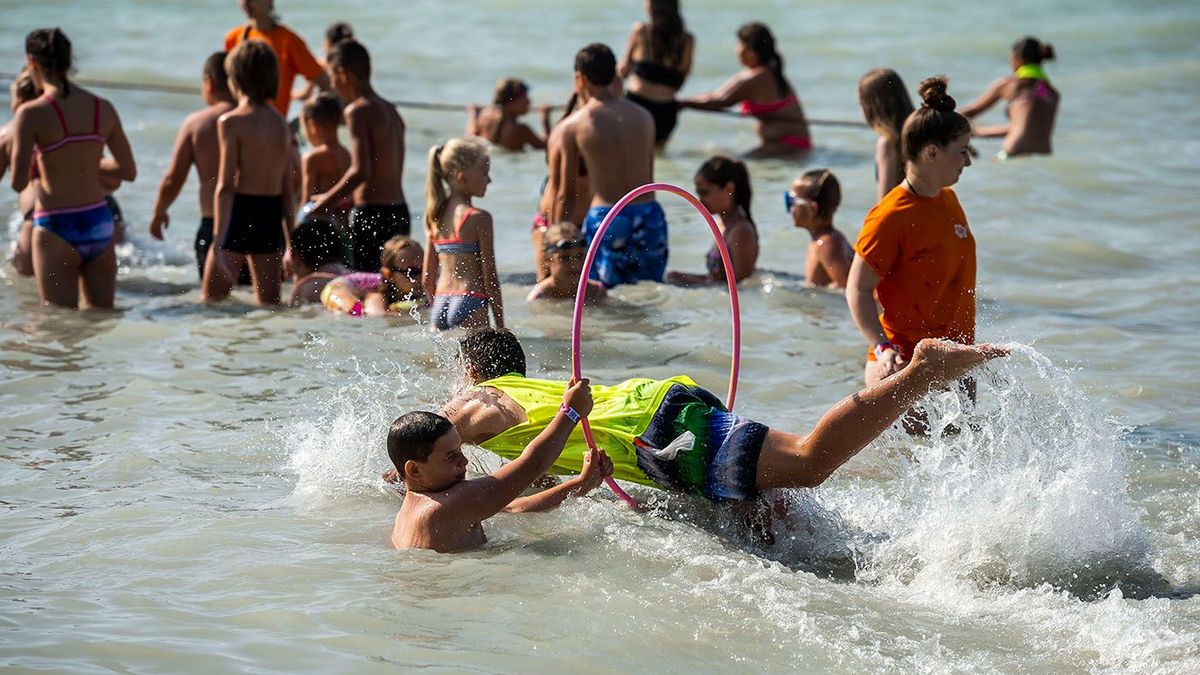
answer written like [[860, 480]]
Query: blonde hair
[[389, 259], [458, 154]]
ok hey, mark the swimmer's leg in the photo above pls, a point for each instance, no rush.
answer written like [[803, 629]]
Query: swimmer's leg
[[790, 460], [266, 273], [56, 267]]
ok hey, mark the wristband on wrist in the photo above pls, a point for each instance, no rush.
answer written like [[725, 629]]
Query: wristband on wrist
[[883, 346], [570, 413]]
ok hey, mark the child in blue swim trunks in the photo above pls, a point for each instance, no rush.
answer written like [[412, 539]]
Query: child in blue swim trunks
[[634, 246]]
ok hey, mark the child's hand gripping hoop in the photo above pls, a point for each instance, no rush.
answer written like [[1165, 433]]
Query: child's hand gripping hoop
[[581, 294]]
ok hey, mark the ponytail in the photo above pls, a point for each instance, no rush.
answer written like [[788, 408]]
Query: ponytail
[[458, 154], [435, 193], [721, 170], [758, 39], [50, 49]]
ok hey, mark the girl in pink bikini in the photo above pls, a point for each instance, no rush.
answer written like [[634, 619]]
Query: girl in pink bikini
[[64, 134], [460, 260], [764, 93]]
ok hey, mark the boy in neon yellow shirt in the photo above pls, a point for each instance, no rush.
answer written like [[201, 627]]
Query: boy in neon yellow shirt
[[675, 435]]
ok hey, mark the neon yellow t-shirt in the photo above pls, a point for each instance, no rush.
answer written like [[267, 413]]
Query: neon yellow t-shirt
[[620, 414]]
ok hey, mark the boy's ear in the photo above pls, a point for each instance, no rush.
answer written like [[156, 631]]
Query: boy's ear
[[411, 470]]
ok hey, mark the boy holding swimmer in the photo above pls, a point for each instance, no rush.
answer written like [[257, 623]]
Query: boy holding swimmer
[[444, 511]]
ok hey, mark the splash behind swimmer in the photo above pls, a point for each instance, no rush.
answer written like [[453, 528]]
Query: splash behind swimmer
[[723, 186], [763, 92], [885, 105], [460, 263], [926, 296], [1032, 101], [657, 61], [812, 201], [65, 133]]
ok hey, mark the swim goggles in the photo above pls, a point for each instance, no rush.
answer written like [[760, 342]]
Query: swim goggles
[[564, 245]]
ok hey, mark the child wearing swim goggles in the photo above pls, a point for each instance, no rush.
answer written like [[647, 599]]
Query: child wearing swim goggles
[[395, 289], [811, 201], [565, 250]]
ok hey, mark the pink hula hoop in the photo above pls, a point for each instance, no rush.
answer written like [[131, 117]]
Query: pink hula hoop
[[581, 294]]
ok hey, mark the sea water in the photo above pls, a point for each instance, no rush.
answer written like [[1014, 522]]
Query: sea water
[[195, 489]]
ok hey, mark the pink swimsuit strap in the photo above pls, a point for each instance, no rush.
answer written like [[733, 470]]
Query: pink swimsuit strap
[[457, 238], [752, 108], [68, 137]]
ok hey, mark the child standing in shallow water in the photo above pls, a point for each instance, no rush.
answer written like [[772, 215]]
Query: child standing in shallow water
[[253, 204], [460, 261], [812, 200], [565, 251], [323, 166]]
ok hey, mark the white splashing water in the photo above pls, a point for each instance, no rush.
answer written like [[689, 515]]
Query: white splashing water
[[1026, 487], [339, 449]]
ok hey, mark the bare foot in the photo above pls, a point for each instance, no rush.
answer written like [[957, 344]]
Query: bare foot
[[948, 361]]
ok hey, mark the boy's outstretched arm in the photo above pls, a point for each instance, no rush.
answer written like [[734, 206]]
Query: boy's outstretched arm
[[596, 467], [479, 499]]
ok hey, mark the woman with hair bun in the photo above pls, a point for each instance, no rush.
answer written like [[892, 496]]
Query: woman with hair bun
[[915, 253], [764, 93], [1032, 102]]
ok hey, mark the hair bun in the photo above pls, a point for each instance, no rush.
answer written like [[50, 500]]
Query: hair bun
[[1047, 51], [933, 94]]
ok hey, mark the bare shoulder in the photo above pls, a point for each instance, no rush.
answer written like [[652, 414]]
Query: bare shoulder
[[479, 219]]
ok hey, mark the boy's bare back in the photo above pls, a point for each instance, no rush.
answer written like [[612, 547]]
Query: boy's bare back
[[263, 144], [324, 167], [200, 132], [377, 133]]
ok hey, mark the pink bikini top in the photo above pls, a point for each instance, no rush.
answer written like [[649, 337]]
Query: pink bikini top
[[69, 137], [750, 108]]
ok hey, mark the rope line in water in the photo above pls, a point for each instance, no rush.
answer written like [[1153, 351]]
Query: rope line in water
[[415, 105], [581, 294]]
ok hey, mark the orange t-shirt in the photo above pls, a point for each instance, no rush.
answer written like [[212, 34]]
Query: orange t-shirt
[[924, 252], [294, 58]]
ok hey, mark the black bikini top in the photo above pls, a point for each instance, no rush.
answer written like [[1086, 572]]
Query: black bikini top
[[658, 74]]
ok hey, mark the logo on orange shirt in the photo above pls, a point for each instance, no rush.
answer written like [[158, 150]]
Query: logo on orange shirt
[[960, 230]]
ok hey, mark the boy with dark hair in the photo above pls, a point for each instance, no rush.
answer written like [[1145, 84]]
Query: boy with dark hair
[[614, 139], [316, 260], [324, 165], [374, 179], [444, 511], [252, 212], [197, 145]]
